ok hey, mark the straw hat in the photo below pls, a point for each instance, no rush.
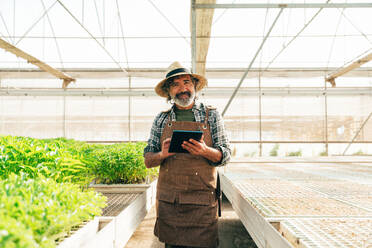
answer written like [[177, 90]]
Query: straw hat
[[176, 69]]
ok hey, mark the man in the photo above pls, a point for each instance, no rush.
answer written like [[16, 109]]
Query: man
[[186, 201]]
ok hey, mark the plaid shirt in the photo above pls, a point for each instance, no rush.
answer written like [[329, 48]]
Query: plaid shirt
[[219, 137]]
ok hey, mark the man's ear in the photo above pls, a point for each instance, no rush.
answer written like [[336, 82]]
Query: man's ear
[[195, 81]]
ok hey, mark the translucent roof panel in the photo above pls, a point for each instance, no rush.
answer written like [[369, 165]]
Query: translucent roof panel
[[153, 33], [301, 37], [97, 34]]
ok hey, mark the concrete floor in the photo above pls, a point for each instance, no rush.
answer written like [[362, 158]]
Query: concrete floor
[[232, 233]]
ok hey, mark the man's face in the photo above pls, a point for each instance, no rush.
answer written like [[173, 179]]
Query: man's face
[[182, 90]]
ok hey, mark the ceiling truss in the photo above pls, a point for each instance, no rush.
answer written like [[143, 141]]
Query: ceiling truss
[[30, 59], [155, 73], [209, 92], [206, 5], [352, 66]]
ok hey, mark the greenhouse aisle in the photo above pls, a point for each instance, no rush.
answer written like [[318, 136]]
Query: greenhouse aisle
[[231, 230]]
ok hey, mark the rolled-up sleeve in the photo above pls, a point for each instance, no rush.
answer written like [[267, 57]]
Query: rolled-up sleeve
[[219, 137]]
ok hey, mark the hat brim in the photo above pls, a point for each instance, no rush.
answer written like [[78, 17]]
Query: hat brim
[[202, 82]]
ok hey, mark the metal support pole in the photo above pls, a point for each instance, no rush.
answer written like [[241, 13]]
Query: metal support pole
[[260, 111], [357, 133], [193, 36], [130, 110], [250, 65], [326, 117]]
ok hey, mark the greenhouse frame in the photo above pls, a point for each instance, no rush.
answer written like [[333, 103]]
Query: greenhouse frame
[[291, 79]]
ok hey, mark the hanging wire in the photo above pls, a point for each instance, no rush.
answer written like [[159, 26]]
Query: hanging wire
[[289, 18], [82, 11], [166, 18], [54, 35], [33, 25], [107, 52], [369, 50], [304, 12], [333, 40], [14, 16], [360, 31], [2, 36], [99, 23], [263, 33], [259, 86], [219, 17], [302, 29], [104, 17], [43, 41], [122, 34], [6, 28]]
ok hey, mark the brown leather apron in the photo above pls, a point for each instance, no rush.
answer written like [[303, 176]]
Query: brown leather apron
[[186, 202]]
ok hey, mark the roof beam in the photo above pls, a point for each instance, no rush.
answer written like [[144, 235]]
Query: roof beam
[[283, 5], [30, 59], [353, 65], [211, 73], [208, 92], [201, 20]]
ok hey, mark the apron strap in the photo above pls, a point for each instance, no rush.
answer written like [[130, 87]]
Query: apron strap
[[206, 116], [169, 116]]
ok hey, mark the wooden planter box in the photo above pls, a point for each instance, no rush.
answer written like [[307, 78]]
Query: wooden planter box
[[114, 231]]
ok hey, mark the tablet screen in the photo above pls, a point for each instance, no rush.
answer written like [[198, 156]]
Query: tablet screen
[[179, 136]]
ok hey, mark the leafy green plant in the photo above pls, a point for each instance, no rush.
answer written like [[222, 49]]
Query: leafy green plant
[[250, 154], [14, 233], [53, 158], [35, 212], [67, 160], [295, 154], [323, 153], [122, 163], [41, 196], [274, 150], [358, 153]]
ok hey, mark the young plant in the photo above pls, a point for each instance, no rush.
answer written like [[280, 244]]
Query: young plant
[[38, 211]]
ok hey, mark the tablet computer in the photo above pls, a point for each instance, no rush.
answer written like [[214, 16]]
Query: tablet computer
[[179, 136]]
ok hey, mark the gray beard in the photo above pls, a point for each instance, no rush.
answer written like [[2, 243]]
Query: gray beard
[[184, 102]]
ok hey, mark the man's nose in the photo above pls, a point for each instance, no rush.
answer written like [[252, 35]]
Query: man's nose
[[182, 87]]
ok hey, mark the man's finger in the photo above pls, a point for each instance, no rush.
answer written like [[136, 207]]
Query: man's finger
[[194, 141], [190, 145]]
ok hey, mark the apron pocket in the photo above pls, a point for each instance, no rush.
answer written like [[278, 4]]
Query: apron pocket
[[166, 196], [196, 198]]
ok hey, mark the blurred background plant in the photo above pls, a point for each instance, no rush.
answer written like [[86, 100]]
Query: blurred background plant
[[274, 151], [295, 154]]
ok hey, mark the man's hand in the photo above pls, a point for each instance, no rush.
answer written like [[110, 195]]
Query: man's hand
[[154, 159], [195, 147], [200, 148], [164, 149]]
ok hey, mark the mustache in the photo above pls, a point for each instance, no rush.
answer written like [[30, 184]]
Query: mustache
[[185, 92]]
